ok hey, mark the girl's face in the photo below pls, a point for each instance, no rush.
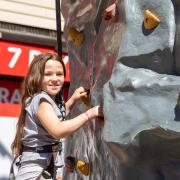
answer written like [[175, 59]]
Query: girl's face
[[53, 79]]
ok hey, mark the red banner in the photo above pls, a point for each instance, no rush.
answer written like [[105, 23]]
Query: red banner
[[10, 97], [10, 92], [15, 58]]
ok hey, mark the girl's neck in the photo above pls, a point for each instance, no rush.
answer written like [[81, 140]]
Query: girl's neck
[[52, 97]]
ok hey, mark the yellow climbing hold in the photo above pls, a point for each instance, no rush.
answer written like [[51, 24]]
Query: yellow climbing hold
[[86, 99], [83, 167], [75, 36], [150, 20]]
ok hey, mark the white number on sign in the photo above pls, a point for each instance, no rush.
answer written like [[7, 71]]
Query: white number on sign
[[17, 53], [33, 53]]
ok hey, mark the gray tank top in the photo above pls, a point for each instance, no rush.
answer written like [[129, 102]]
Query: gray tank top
[[34, 133]]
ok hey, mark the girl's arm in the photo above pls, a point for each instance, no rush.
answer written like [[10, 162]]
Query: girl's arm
[[79, 93], [59, 129]]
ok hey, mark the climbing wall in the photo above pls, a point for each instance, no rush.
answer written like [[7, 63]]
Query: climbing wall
[[126, 54]]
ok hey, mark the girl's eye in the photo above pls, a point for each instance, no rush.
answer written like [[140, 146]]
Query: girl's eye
[[60, 74], [47, 74]]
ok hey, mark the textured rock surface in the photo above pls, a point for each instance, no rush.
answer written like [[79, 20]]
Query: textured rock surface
[[134, 74]]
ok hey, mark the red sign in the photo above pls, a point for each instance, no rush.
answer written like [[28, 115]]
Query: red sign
[[10, 97], [15, 58], [10, 92], [10, 110]]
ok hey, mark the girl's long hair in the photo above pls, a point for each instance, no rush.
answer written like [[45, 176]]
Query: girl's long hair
[[32, 85]]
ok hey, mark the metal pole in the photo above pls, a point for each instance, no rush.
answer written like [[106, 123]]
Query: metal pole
[[58, 28]]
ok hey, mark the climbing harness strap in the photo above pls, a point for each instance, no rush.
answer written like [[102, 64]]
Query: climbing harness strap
[[49, 171], [11, 173], [44, 149]]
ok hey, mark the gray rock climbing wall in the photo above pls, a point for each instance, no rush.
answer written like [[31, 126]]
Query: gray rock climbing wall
[[133, 72]]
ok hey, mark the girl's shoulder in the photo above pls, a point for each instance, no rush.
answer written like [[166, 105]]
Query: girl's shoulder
[[41, 95], [35, 100]]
